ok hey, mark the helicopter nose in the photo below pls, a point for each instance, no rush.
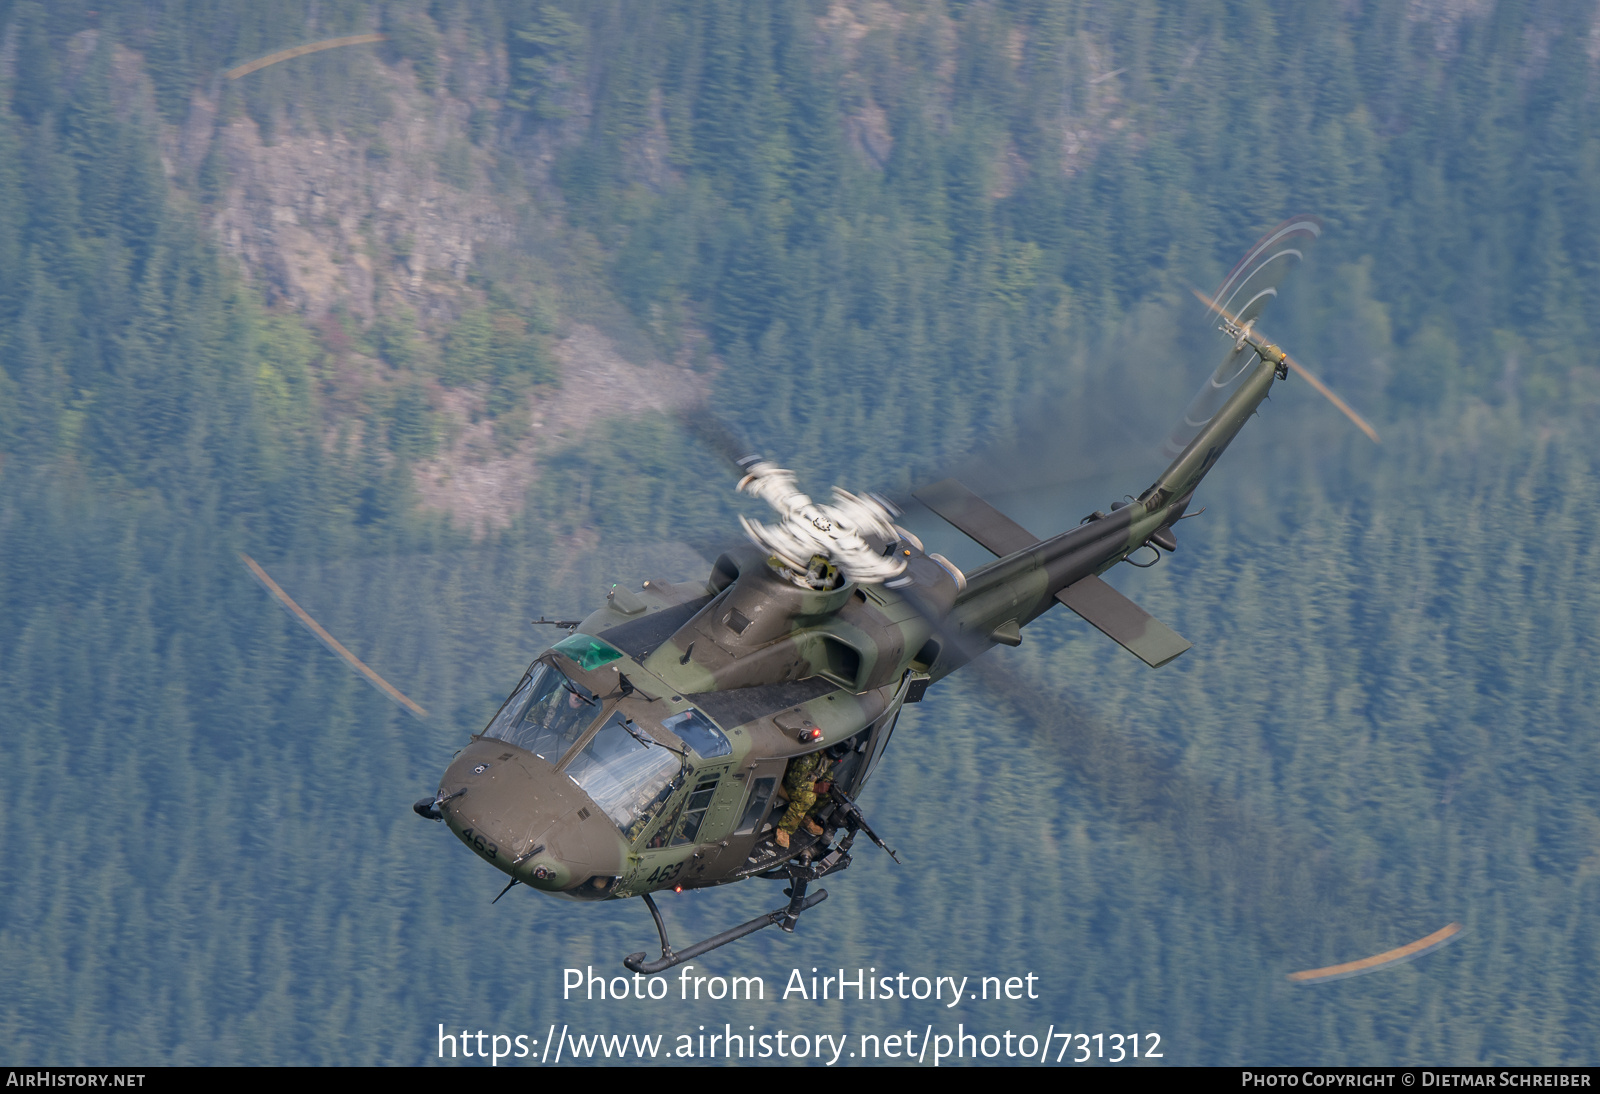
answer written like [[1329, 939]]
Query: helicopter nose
[[518, 813]]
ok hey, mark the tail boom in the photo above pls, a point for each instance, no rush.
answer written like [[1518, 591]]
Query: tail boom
[[1183, 475], [1025, 584]]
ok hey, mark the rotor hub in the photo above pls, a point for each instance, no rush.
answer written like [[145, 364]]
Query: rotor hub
[[817, 545]]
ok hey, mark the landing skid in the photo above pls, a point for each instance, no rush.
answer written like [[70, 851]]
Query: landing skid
[[800, 874], [803, 864], [784, 917]]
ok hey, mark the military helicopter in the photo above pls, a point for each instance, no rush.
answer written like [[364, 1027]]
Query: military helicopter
[[649, 748]]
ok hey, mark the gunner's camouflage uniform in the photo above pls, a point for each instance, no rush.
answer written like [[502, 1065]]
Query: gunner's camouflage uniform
[[800, 782]]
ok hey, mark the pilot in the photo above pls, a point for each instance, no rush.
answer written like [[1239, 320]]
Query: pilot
[[806, 773], [571, 717], [554, 723]]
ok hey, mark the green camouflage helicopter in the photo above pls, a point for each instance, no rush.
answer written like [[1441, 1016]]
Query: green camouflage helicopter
[[686, 735]]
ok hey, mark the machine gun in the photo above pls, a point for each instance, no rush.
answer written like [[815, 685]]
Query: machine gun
[[851, 814]]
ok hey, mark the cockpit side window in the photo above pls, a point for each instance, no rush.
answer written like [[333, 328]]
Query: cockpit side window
[[628, 778], [545, 715]]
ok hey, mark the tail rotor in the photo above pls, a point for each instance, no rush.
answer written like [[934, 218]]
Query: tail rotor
[[1243, 334]]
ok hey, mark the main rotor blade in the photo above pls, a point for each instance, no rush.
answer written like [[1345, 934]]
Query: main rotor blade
[[1294, 893], [717, 434], [300, 51], [329, 640], [1322, 389], [1389, 958]]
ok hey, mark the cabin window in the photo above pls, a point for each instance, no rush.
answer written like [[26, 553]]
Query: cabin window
[[694, 810], [626, 777], [755, 811], [696, 730]]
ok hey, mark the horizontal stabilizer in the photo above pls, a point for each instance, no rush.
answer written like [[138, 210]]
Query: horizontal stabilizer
[[992, 529], [1135, 629]]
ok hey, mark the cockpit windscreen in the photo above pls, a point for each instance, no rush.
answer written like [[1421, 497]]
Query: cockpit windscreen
[[545, 715], [625, 776]]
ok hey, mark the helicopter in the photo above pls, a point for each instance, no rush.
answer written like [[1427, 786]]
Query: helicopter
[[690, 735]]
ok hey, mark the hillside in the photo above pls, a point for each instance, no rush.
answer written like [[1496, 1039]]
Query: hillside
[[409, 321]]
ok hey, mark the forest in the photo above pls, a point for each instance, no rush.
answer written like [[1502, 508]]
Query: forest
[[889, 240]]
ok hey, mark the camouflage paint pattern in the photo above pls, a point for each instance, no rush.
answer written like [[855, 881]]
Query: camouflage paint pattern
[[782, 671]]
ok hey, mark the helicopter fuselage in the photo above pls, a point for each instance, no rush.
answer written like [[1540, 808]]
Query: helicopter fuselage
[[673, 782], [647, 749]]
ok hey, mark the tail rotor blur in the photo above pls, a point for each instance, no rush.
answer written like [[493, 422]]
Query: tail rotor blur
[[1246, 291], [1245, 338]]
